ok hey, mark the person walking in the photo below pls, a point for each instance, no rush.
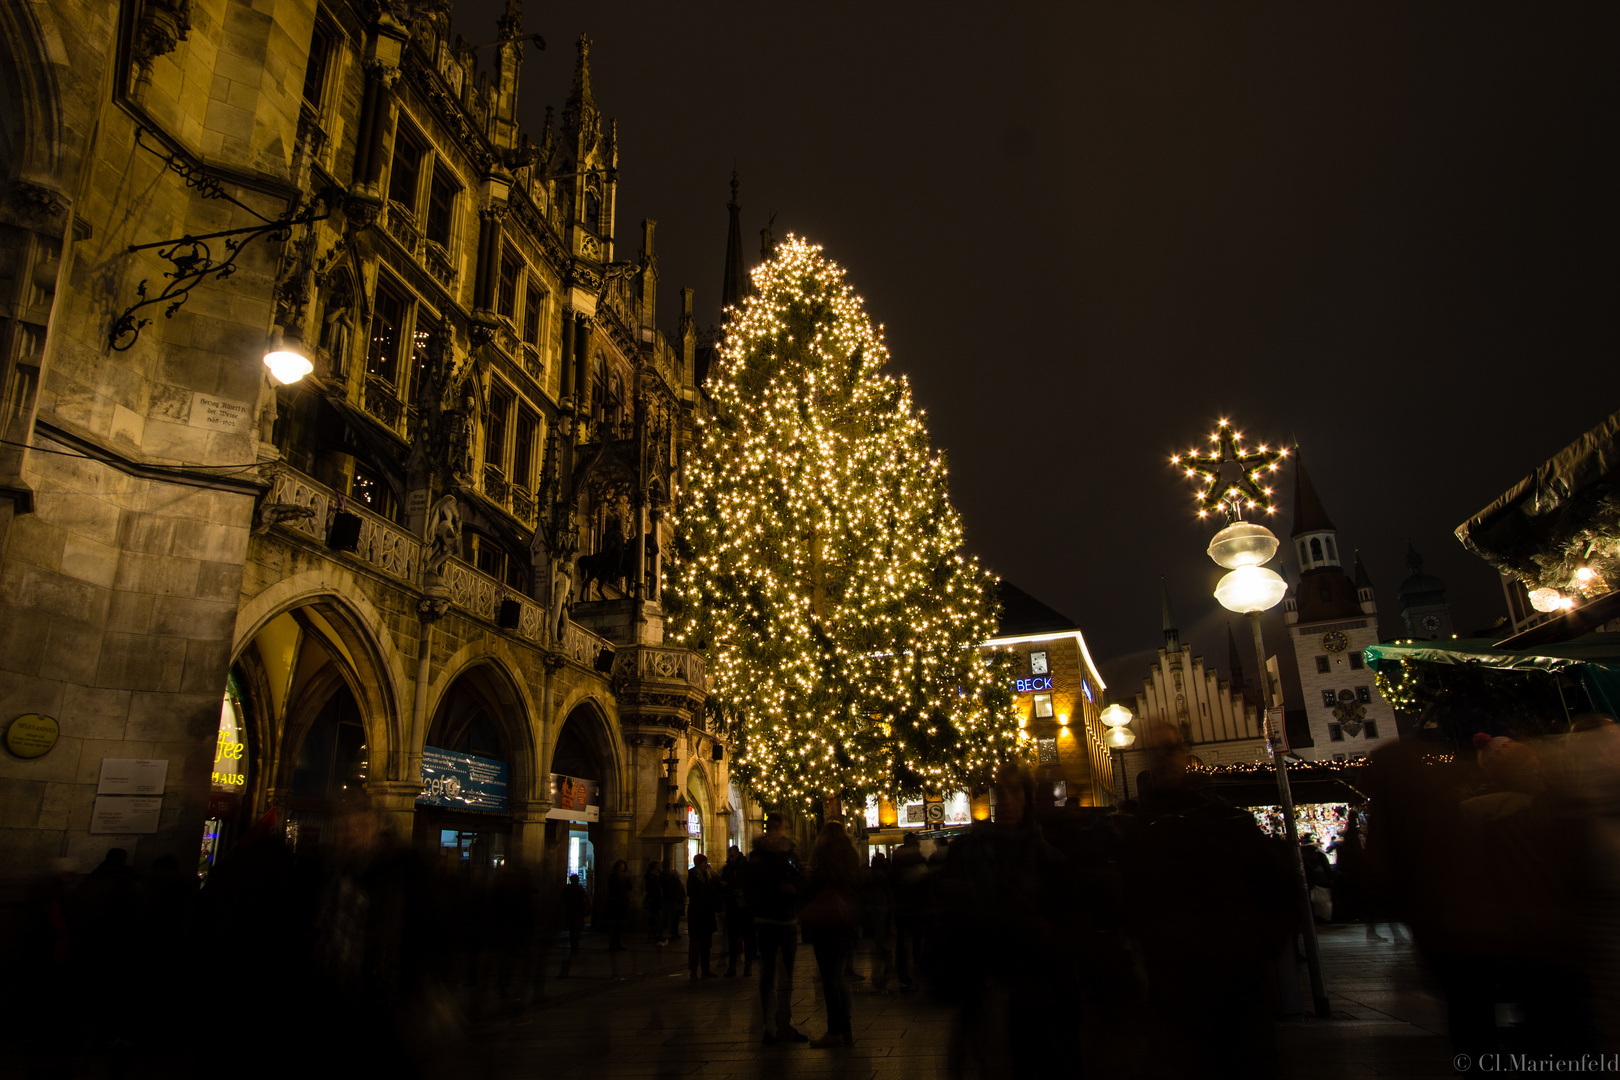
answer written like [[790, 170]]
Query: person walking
[[739, 917], [652, 902], [774, 882], [674, 901], [618, 904], [574, 902], [908, 879], [703, 903], [830, 917]]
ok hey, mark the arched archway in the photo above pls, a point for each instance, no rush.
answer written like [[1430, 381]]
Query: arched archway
[[307, 721], [584, 786], [477, 769]]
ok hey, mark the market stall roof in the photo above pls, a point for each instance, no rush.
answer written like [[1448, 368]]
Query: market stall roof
[[1594, 660], [1537, 527]]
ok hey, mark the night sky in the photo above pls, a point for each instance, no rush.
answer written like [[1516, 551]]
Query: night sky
[[1386, 232]]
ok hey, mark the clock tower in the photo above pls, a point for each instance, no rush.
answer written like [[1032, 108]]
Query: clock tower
[[1423, 601], [1331, 619]]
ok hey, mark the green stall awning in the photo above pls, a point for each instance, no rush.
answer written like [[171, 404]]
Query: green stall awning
[[1594, 660]]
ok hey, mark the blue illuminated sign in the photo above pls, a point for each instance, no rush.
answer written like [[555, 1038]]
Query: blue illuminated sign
[[1034, 685]]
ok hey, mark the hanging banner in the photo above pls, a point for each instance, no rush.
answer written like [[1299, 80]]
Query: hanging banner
[[573, 799], [462, 781]]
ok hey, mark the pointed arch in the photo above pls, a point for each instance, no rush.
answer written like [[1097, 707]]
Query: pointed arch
[[486, 669]]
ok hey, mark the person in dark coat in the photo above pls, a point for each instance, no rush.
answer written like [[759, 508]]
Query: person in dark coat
[[739, 917], [574, 902], [774, 883], [702, 908], [674, 902], [908, 879], [652, 902], [618, 904], [830, 917]]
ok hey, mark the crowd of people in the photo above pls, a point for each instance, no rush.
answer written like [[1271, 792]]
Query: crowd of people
[[1502, 865]]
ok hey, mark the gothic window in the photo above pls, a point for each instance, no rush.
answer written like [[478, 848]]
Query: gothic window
[[533, 304], [1329, 698], [1331, 553], [1364, 695], [370, 491], [1181, 705], [387, 324], [593, 212], [1316, 549], [1322, 666], [320, 59], [424, 347], [441, 207], [500, 408], [507, 300], [406, 172], [523, 449]]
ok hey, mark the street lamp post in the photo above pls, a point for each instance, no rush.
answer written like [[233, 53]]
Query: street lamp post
[[1120, 736], [1250, 589]]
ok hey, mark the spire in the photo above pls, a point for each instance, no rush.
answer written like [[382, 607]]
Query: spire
[[579, 112], [1308, 513], [734, 289], [1233, 660], [1363, 581], [510, 26], [1414, 561], [1172, 637]]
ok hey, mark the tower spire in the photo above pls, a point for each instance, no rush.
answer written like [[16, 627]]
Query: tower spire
[[1309, 515], [734, 289], [1172, 637], [579, 112]]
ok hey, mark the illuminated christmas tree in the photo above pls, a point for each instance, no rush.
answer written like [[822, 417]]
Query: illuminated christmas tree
[[821, 569]]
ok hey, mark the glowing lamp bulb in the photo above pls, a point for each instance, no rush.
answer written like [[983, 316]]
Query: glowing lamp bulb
[[285, 359], [1120, 738], [1584, 574], [1546, 599], [1115, 716], [1250, 588]]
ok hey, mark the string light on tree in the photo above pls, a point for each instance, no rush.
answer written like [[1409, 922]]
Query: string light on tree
[[821, 569], [1244, 487]]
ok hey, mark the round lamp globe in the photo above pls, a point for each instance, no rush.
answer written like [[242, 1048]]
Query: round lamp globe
[[1243, 543], [1250, 588]]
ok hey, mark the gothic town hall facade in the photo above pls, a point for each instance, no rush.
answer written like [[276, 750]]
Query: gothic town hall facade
[[415, 591]]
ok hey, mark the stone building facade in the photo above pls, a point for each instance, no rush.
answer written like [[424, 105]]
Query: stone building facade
[[1218, 720], [446, 539]]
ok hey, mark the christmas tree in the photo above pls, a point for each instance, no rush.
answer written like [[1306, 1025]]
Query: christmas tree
[[821, 569]]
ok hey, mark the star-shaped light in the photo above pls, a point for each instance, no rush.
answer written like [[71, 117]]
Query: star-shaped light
[[1249, 492]]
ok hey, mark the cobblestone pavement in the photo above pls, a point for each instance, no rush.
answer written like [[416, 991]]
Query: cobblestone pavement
[[637, 1014]]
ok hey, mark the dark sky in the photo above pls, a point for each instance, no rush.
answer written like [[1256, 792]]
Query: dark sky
[[1384, 231]]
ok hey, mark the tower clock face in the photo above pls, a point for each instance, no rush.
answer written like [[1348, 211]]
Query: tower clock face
[[1334, 641], [1431, 622]]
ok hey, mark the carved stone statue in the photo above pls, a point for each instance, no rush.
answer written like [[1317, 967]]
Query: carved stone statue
[[444, 533], [267, 408], [337, 330], [462, 439]]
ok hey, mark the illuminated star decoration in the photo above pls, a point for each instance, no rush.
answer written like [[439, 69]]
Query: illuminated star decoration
[[1249, 491]]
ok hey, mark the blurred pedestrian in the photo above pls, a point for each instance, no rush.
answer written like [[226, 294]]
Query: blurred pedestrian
[[877, 918], [908, 879], [739, 917], [774, 884], [574, 901], [703, 905], [1206, 962], [830, 918], [674, 902], [618, 904], [652, 901]]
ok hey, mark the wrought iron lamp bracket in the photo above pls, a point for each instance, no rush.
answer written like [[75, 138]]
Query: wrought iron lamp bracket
[[192, 259]]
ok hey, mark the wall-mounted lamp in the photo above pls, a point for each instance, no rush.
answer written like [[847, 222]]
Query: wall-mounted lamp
[[285, 358], [1063, 719]]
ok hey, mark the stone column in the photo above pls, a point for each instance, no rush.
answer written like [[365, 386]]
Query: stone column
[[393, 805], [529, 835]]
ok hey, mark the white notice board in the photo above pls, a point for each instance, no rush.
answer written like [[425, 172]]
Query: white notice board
[[125, 814], [132, 776]]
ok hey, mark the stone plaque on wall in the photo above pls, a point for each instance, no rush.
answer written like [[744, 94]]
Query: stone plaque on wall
[[220, 414]]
